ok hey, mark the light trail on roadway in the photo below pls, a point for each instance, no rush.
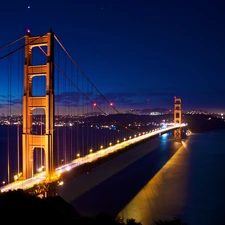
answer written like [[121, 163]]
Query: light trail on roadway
[[40, 177]]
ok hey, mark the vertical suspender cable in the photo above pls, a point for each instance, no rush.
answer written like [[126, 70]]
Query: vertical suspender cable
[[71, 115], [58, 129], [77, 124], [87, 126], [82, 85], [18, 125], [64, 127], [9, 115]]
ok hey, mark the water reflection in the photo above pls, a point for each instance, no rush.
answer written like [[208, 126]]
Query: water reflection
[[165, 194]]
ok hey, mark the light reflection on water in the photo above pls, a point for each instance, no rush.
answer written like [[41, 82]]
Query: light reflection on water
[[189, 186], [166, 190]]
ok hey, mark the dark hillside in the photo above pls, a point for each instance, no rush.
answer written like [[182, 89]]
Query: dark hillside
[[201, 123]]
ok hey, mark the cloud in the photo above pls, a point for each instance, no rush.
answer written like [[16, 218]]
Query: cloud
[[3, 96], [158, 97], [10, 100], [138, 97]]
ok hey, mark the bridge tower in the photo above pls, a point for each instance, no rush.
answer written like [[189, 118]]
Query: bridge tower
[[177, 117], [30, 140]]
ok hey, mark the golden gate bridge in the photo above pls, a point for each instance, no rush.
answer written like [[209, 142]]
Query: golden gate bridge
[[53, 117]]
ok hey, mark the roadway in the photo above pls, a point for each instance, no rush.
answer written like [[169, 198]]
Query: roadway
[[40, 177]]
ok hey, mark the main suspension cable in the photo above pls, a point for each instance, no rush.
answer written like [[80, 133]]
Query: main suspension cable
[[10, 53], [83, 72], [12, 42], [86, 96]]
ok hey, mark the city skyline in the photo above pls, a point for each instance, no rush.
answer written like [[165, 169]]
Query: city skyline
[[136, 51]]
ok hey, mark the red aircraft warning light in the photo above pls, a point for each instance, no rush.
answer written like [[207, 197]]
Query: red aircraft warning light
[[94, 104]]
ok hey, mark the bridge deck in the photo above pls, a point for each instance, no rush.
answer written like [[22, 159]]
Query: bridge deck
[[40, 177]]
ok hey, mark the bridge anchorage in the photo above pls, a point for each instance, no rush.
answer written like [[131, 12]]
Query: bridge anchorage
[[177, 118], [30, 140]]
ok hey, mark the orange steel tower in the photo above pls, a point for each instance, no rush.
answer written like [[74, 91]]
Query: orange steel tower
[[30, 140], [177, 117]]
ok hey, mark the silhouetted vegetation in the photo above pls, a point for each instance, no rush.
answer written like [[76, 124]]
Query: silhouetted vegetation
[[19, 206], [174, 221], [14, 204]]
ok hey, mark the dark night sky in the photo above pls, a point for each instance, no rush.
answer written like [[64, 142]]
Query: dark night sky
[[136, 49]]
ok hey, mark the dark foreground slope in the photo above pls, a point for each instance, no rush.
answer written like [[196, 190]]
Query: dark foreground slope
[[23, 208], [20, 205]]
